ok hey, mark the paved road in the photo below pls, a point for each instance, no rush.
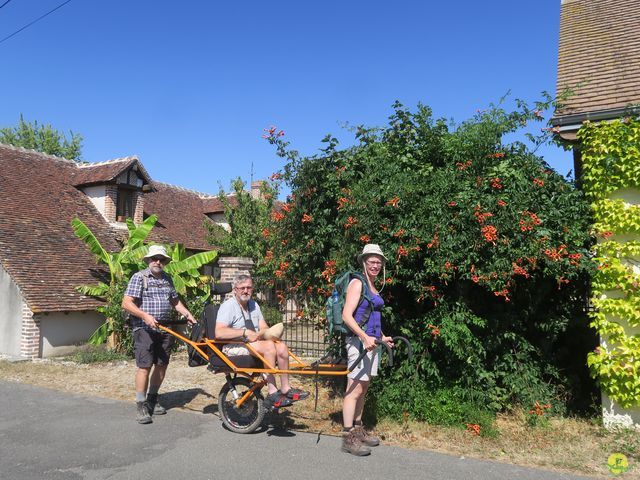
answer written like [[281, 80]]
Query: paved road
[[45, 434]]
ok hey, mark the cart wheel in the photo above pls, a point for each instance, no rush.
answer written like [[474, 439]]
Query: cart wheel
[[246, 418]]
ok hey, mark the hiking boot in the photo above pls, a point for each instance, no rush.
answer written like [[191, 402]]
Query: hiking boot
[[352, 444], [143, 415], [154, 407], [365, 437]]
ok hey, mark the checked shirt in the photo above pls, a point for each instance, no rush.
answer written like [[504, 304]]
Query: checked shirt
[[155, 299]]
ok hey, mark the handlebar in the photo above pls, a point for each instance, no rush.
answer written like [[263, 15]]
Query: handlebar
[[389, 352]]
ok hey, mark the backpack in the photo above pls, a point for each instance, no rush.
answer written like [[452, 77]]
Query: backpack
[[335, 304], [128, 317]]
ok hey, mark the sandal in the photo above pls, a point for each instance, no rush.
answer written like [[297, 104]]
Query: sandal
[[296, 394], [277, 399]]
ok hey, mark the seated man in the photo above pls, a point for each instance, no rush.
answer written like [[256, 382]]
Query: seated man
[[240, 317]]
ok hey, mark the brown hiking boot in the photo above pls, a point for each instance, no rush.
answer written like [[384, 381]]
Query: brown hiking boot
[[154, 407], [352, 444], [143, 415], [365, 437]]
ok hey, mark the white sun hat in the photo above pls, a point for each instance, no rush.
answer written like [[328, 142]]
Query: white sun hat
[[371, 249], [157, 250]]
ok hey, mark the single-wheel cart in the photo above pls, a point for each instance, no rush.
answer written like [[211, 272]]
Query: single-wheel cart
[[240, 401]]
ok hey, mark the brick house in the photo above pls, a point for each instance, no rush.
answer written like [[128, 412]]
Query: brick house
[[41, 261], [599, 60]]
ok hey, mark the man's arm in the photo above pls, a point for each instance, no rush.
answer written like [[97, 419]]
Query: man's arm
[[183, 310], [128, 303]]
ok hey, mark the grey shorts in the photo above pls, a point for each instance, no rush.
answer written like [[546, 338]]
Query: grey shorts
[[152, 347], [368, 366]]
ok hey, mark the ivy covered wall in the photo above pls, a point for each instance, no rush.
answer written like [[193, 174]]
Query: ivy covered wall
[[611, 176]]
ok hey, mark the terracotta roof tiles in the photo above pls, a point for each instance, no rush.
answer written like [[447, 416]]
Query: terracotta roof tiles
[[599, 55], [39, 196]]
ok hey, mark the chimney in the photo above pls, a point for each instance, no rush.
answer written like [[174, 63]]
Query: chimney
[[255, 188]]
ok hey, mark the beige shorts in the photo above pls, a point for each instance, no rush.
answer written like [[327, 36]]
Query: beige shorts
[[235, 349], [368, 366]]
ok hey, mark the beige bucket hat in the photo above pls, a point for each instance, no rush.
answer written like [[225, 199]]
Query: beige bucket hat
[[371, 249], [157, 250], [274, 332]]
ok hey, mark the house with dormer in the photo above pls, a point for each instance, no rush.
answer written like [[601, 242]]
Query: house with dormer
[[41, 260]]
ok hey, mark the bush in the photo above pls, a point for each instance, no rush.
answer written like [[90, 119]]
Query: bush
[[447, 406], [488, 250], [96, 354]]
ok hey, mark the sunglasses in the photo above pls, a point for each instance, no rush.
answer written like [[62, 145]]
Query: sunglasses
[[162, 260]]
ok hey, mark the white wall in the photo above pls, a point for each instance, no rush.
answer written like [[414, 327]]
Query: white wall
[[10, 315], [612, 414], [63, 332], [97, 194]]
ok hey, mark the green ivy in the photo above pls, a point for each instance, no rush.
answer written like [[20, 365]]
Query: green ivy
[[611, 160]]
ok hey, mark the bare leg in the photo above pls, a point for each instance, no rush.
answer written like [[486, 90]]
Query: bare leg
[[268, 351], [353, 397], [360, 403], [142, 380], [157, 376], [283, 364]]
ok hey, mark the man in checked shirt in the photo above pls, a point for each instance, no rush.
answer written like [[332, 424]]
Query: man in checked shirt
[[149, 298]]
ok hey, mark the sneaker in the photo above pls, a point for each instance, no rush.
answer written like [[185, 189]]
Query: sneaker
[[154, 407], [143, 415], [296, 394], [352, 444], [365, 437], [277, 399]]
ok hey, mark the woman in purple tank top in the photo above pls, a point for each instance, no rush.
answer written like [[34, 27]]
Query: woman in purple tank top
[[364, 319]]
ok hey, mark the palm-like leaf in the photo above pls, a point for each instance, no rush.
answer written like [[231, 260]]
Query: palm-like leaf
[[138, 235], [194, 262], [99, 290], [83, 233]]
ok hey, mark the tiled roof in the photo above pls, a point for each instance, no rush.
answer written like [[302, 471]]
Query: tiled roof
[[39, 198], [600, 49], [93, 173], [37, 246], [181, 215]]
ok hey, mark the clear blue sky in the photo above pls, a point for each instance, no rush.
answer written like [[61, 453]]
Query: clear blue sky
[[189, 86]]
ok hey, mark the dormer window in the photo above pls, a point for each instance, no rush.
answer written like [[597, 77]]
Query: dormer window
[[125, 204]]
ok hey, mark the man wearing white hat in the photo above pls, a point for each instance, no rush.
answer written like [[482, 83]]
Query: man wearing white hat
[[150, 298]]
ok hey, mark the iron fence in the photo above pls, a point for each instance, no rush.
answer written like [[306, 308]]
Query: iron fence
[[303, 334]]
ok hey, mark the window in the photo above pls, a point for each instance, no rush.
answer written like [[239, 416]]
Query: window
[[125, 204]]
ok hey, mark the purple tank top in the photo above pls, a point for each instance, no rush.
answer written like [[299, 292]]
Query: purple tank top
[[374, 326]]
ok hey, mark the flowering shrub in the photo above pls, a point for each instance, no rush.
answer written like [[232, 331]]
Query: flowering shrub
[[611, 167], [487, 248]]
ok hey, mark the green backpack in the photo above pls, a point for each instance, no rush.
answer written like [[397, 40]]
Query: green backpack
[[335, 304]]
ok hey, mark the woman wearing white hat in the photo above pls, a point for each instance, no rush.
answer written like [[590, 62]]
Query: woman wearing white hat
[[362, 314]]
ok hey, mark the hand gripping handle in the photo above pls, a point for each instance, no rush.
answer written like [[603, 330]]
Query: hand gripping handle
[[364, 352]]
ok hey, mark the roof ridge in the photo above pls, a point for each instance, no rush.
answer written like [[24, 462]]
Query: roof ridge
[[41, 154], [177, 187], [108, 162]]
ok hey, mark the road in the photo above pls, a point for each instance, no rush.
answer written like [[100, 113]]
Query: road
[[46, 434]]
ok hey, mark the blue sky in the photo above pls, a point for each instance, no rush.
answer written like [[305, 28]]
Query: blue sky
[[189, 86]]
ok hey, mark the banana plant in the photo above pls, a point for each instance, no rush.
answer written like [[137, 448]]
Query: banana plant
[[183, 269]]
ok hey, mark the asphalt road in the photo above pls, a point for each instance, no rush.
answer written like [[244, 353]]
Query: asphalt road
[[45, 434]]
